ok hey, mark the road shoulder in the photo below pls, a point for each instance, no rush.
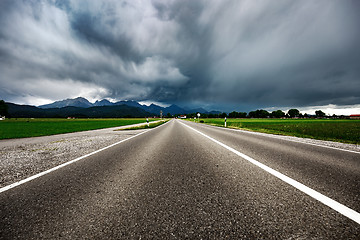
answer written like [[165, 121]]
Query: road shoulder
[[21, 158]]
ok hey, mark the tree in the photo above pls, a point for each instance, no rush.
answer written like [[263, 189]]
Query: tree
[[204, 115], [3, 108], [319, 114], [260, 113], [223, 115], [293, 113], [242, 114], [277, 114], [233, 114]]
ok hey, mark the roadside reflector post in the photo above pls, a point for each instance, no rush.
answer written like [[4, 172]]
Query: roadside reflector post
[[147, 121], [198, 117], [225, 121]]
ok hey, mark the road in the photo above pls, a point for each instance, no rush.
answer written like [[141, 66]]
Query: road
[[174, 183]]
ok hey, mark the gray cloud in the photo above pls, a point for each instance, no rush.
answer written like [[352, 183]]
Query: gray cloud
[[242, 54]]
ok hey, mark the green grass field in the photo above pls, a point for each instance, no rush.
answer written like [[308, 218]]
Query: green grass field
[[20, 128], [347, 131]]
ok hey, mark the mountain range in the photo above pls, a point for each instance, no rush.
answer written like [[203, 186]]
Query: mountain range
[[153, 108], [81, 107]]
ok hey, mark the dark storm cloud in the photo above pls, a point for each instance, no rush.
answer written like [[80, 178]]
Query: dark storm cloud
[[234, 53]]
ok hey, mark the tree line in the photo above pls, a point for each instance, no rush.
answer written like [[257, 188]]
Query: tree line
[[3, 108], [261, 113]]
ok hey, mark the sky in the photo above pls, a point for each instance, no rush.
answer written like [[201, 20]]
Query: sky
[[237, 55]]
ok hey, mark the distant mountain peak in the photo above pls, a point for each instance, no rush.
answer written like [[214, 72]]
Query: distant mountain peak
[[103, 102], [75, 102], [78, 98]]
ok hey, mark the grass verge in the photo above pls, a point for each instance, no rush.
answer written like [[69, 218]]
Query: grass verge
[[346, 131], [26, 127], [145, 126]]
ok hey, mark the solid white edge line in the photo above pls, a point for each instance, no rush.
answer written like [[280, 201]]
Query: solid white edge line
[[290, 140], [340, 208], [3, 189]]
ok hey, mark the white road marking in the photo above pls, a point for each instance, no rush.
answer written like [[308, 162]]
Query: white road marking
[[3, 189], [281, 138], [340, 208]]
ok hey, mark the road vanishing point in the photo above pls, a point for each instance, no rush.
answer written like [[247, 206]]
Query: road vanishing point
[[185, 180]]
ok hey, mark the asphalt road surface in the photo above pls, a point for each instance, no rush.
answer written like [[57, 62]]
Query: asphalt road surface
[[174, 183]]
